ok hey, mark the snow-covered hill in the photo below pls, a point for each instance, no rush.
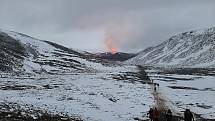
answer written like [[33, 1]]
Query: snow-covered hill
[[22, 53], [50, 83], [189, 49]]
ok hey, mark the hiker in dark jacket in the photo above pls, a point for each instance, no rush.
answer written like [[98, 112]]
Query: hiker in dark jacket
[[188, 116], [156, 115], [150, 113], [169, 115]]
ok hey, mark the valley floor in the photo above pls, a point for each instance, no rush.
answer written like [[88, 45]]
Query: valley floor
[[194, 91], [114, 94]]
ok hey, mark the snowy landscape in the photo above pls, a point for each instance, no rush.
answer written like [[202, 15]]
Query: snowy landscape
[[194, 91], [53, 79]]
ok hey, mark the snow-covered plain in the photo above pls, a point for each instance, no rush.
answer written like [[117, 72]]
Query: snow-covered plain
[[92, 96], [188, 91]]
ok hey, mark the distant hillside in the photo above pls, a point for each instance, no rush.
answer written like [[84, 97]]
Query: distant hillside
[[22, 53], [189, 49]]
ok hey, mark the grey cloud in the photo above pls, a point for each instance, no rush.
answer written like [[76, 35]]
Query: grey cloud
[[134, 24]]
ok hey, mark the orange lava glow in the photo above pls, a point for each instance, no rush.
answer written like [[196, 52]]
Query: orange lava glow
[[110, 44], [114, 51]]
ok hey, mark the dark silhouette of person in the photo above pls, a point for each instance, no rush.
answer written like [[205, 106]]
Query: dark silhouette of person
[[152, 81], [158, 85], [155, 88], [150, 113], [188, 116], [156, 115], [169, 115]]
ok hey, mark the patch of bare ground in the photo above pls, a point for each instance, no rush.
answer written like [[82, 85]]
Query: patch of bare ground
[[15, 112]]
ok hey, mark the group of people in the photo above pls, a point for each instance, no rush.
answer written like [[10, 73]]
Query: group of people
[[154, 115]]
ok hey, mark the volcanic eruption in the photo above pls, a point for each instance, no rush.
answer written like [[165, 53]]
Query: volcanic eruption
[[110, 44]]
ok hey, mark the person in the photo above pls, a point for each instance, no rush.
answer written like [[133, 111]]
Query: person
[[158, 85], [152, 81], [156, 115], [169, 115], [150, 113], [155, 88], [188, 116]]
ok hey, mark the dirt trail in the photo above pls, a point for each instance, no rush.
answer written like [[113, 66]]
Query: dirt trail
[[161, 104], [163, 107], [159, 99]]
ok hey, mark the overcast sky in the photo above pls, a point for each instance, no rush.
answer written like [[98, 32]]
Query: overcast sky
[[131, 25]]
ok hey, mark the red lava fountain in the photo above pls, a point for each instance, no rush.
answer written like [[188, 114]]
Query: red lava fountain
[[110, 44], [114, 51]]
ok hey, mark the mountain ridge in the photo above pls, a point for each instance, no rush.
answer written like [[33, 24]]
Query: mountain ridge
[[25, 54], [189, 49]]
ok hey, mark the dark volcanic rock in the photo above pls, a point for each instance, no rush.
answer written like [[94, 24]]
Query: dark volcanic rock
[[12, 53], [116, 57]]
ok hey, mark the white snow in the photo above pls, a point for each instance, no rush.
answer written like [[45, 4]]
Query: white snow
[[45, 52], [188, 98], [85, 95], [193, 49], [96, 96]]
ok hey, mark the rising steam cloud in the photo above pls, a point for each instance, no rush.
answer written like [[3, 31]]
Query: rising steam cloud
[[120, 30], [110, 43], [120, 34]]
